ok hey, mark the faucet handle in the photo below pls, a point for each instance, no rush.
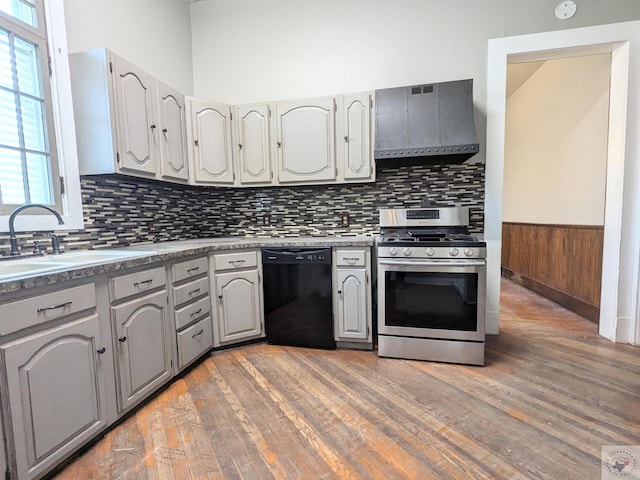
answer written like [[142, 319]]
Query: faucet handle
[[55, 243], [37, 249]]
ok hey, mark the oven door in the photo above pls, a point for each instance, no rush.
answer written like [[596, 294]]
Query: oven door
[[441, 299]]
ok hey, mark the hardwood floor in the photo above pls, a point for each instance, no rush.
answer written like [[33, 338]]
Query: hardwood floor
[[552, 393]]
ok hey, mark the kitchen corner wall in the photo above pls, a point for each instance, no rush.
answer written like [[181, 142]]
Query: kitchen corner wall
[[121, 211]]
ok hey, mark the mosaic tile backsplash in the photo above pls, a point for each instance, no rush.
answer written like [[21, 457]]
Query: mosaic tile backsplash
[[121, 211]]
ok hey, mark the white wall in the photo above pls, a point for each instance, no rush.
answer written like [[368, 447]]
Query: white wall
[[252, 50], [556, 143], [152, 34]]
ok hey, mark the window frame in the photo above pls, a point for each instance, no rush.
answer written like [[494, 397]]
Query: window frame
[[65, 133]]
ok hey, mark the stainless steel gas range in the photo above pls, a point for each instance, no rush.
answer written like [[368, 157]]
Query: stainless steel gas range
[[431, 286]]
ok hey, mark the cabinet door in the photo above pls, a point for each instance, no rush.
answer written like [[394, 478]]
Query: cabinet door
[[239, 306], [135, 118], [142, 347], [351, 290], [56, 393], [355, 157], [173, 133], [254, 159], [305, 145], [210, 143], [3, 460]]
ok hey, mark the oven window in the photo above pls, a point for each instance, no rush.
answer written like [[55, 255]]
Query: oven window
[[445, 301]]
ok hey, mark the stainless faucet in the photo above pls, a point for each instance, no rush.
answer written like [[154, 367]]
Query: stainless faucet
[[12, 231]]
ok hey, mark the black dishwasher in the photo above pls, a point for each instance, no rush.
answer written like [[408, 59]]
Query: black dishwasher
[[297, 297]]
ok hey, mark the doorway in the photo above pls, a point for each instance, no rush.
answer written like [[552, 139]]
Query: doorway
[[618, 306], [554, 178]]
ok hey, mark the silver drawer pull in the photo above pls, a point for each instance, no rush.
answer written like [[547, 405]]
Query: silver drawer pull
[[193, 314], [198, 334], [235, 263], [144, 282], [193, 269], [350, 259], [55, 307], [194, 292]]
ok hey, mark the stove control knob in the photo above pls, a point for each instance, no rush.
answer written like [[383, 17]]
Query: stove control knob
[[406, 252], [454, 252], [430, 252], [469, 252], [393, 251]]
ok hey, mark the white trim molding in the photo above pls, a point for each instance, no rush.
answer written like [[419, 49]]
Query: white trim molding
[[65, 132], [619, 315]]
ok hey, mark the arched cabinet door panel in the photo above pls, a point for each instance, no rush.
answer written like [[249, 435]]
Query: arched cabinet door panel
[[209, 143], [253, 147], [172, 133], [141, 344], [305, 141], [136, 124], [56, 391]]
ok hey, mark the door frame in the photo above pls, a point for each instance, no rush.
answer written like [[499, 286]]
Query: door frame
[[620, 268]]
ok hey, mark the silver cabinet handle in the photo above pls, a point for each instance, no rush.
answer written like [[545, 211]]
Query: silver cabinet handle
[[122, 339], [235, 263], [198, 334], [144, 282], [193, 269], [101, 350], [193, 314], [194, 292], [54, 307], [351, 260]]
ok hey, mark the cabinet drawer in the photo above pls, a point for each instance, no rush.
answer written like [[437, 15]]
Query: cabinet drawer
[[189, 268], [186, 315], [32, 311], [127, 285], [194, 341], [189, 291], [231, 261], [351, 258]]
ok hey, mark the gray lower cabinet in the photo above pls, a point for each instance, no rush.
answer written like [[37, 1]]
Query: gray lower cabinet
[[56, 393], [352, 295], [238, 290], [191, 309], [3, 456], [142, 347]]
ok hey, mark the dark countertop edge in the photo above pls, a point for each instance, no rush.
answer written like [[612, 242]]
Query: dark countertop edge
[[166, 251]]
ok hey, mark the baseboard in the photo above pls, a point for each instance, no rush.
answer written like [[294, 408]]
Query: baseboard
[[582, 308]]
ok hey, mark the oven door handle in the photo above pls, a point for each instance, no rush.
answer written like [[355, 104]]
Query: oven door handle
[[432, 263]]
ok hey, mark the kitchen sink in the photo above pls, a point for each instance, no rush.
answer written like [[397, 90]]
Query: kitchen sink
[[26, 267]]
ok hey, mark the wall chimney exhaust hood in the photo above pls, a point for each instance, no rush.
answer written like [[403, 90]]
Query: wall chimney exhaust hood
[[425, 124]]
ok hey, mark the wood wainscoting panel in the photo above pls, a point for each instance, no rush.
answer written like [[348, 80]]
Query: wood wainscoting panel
[[561, 262]]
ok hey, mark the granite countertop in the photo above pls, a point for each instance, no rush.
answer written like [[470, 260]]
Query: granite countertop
[[165, 251]]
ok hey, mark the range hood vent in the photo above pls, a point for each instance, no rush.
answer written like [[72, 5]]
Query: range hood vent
[[425, 124]]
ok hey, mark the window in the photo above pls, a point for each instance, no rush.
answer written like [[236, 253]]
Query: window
[[37, 132], [27, 140]]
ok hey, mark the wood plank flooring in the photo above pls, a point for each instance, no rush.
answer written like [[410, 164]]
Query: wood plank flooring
[[552, 393]]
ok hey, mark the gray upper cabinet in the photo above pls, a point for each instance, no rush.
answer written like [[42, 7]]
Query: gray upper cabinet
[[56, 393], [126, 121], [253, 145], [209, 143], [136, 122], [354, 138], [306, 141], [172, 133]]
